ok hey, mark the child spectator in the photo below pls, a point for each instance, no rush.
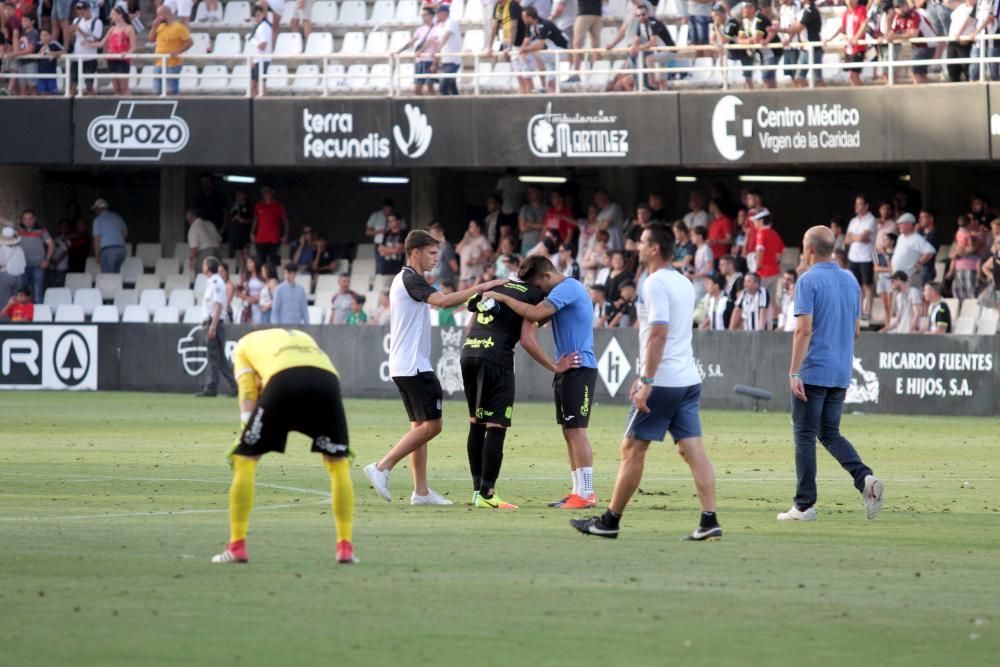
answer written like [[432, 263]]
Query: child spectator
[[381, 315], [446, 316], [964, 267], [19, 308], [357, 315], [51, 49], [884, 247]]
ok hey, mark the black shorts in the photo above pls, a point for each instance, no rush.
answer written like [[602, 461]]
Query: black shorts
[[574, 394], [89, 67], [421, 394], [489, 390], [863, 271], [119, 66], [238, 235], [855, 58], [303, 399]]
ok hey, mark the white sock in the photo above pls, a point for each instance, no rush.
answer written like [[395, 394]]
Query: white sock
[[586, 476], [576, 481]]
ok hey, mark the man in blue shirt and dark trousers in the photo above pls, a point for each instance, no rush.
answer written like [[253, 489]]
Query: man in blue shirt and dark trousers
[[567, 303], [291, 305], [828, 312]]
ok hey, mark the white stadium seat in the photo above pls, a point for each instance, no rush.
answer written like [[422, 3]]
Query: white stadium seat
[[987, 323], [193, 315], [398, 39], [379, 77], [319, 44], [239, 79], [474, 41], [189, 79], [181, 251], [75, 281], [181, 299], [356, 77], [306, 79], [43, 313], [199, 287], [277, 77], [965, 326], [473, 12], [57, 296], [334, 80], [377, 42], [124, 298], [288, 44], [315, 315], [166, 266], [132, 268], [353, 13], [324, 14], [148, 253], [135, 314], [152, 299], [970, 308], [201, 44], [92, 266], [166, 315], [237, 14], [228, 44], [214, 79], [354, 42], [407, 13], [405, 75], [88, 299], [177, 281], [105, 315], [383, 12], [458, 10], [148, 281], [616, 9], [69, 313]]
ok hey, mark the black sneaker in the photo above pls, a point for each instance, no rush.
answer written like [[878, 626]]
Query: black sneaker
[[704, 534], [594, 526], [206, 394]]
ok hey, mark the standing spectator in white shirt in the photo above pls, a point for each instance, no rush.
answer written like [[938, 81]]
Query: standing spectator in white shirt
[[448, 35], [261, 40], [907, 306], [962, 31], [203, 239], [87, 29], [610, 219], [786, 318], [379, 220], [696, 216], [912, 252], [213, 312], [704, 262], [474, 253], [12, 261], [860, 240]]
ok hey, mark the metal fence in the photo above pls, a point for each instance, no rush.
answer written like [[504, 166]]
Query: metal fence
[[393, 74]]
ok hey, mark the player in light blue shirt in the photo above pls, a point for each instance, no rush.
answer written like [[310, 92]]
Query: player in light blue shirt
[[567, 303], [828, 314], [666, 396]]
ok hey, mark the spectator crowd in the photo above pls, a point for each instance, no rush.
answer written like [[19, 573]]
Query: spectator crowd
[[527, 35], [733, 248]]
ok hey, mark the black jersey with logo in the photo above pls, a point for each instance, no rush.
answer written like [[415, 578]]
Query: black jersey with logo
[[495, 331]]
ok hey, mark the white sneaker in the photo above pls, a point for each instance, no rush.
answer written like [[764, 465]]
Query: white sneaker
[[873, 495], [795, 514], [379, 480], [432, 498]]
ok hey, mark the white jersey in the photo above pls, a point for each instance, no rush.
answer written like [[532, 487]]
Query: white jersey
[[409, 324], [667, 297], [215, 292]]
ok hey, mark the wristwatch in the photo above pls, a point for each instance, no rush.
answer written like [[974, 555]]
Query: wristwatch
[[645, 380]]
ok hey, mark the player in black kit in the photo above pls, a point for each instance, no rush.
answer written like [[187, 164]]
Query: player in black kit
[[488, 375]]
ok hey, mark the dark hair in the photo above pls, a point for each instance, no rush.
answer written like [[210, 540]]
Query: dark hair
[[26, 291], [418, 239], [792, 272], [449, 283], [627, 283], [223, 265], [213, 264], [530, 12], [643, 206], [662, 237], [936, 286], [837, 220], [754, 275], [680, 226], [27, 211], [534, 267], [727, 258], [389, 201], [863, 197], [900, 275], [718, 279], [701, 231], [345, 274], [599, 288], [359, 299], [566, 246], [292, 267], [929, 211]]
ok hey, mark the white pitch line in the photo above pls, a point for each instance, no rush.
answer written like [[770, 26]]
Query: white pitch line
[[92, 478], [125, 515]]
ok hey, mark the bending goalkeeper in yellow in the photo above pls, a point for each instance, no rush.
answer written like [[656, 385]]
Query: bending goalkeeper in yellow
[[287, 383]]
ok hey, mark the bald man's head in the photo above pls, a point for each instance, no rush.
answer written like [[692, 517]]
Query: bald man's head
[[821, 240]]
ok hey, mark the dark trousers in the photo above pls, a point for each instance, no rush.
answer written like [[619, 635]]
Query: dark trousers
[[819, 416], [449, 86], [217, 363], [270, 253], [958, 72]]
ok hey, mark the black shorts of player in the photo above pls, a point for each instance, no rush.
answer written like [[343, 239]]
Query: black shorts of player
[[303, 399], [863, 271], [489, 390], [856, 58], [421, 394], [574, 394]]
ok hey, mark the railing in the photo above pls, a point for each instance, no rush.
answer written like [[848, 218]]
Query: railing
[[394, 76]]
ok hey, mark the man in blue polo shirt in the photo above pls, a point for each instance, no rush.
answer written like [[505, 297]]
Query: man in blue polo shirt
[[568, 304], [828, 312]]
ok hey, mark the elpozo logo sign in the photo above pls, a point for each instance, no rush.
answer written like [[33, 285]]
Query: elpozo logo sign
[[139, 131], [802, 127], [566, 135]]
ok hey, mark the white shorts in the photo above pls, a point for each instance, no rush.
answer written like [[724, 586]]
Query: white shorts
[[277, 6], [303, 14], [182, 8]]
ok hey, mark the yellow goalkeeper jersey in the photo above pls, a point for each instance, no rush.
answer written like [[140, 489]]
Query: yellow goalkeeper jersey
[[261, 355]]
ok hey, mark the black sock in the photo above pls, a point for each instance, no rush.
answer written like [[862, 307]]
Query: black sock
[[709, 520], [611, 519], [474, 446], [492, 459]]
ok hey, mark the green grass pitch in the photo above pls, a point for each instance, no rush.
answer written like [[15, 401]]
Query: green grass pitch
[[112, 504]]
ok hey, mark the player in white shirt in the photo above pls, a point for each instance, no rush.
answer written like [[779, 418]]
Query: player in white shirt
[[410, 301], [213, 314], [261, 40], [667, 393]]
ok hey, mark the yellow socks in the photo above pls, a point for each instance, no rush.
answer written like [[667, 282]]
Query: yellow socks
[[241, 497], [342, 495]]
